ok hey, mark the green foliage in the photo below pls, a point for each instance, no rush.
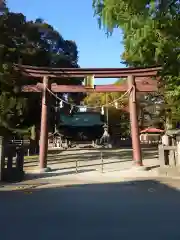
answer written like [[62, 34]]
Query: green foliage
[[150, 30], [118, 116], [151, 36], [99, 99], [29, 43]]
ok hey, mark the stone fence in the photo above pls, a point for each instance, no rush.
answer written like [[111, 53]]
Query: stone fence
[[11, 161], [150, 139]]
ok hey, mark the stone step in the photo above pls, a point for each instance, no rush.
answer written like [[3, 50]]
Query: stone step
[[170, 171]]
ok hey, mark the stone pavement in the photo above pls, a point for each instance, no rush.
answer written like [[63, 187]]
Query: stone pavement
[[86, 176], [92, 166], [143, 209], [113, 159], [85, 167], [119, 203]]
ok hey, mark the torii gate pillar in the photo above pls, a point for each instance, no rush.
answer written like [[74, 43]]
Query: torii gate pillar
[[44, 127], [137, 157]]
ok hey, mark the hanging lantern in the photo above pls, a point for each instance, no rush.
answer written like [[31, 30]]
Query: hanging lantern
[[61, 104], [116, 104], [89, 81], [102, 110], [65, 97], [158, 109], [72, 109]]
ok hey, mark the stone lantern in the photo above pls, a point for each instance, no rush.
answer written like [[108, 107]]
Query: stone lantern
[[175, 136]]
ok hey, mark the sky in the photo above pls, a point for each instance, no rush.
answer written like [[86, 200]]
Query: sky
[[75, 21]]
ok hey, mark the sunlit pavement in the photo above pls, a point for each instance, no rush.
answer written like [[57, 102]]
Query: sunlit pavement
[[113, 159], [129, 210]]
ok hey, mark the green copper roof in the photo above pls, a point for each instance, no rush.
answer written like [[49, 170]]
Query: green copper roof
[[81, 120]]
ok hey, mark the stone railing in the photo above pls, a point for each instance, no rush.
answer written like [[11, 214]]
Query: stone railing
[[168, 155], [150, 139], [11, 161], [169, 160], [29, 149]]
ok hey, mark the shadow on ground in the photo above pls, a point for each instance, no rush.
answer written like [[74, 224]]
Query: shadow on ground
[[71, 170], [142, 210], [58, 157], [53, 173]]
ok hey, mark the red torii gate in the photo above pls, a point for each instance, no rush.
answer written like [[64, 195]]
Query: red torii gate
[[139, 80]]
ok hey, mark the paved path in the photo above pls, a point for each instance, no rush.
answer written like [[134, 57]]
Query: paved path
[[143, 210], [113, 159]]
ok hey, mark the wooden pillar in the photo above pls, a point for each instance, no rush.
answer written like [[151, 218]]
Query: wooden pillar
[[137, 157], [44, 126]]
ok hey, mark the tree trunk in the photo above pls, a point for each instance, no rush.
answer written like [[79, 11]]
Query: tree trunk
[[168, 121]]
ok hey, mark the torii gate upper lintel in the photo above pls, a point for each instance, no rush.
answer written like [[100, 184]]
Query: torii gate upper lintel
[[138, 79]]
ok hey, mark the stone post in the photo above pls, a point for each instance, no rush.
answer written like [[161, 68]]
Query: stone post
[[178, 150], [2, 157]]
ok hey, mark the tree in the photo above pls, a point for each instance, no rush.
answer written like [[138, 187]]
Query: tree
[[99, 99], [151, 36], [118, 116], [3, 6], [30, 43]]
